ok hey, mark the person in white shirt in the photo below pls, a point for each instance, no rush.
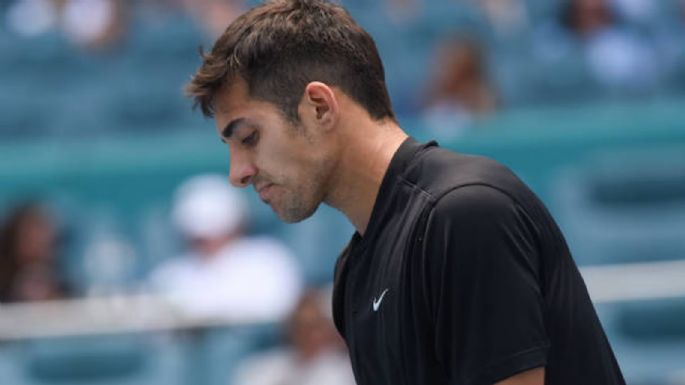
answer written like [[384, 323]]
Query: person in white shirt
[[225, 274]]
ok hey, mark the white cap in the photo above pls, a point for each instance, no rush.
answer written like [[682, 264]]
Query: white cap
[[207, 206]]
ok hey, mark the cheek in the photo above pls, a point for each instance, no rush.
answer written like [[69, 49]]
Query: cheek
[[286, 158], [282, 168]]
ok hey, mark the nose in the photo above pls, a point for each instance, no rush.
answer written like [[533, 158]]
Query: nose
[[241, 170]]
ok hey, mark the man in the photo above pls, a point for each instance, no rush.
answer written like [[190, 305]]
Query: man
[[456, 274], [224, 273]]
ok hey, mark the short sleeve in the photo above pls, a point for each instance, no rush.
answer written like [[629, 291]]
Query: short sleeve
[[486, 302]]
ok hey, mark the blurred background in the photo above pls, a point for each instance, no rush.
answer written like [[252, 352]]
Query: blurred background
[[125, 258]]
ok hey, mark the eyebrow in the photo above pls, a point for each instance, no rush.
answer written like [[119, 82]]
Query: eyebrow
[[232, 126]]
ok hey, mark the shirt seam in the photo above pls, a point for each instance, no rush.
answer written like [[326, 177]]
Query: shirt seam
[[435, 198]]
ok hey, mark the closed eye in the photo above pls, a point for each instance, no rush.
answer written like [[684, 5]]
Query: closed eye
[[251, 139]]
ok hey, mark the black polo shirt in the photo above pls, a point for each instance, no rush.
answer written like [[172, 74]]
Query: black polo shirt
[[463, 278]]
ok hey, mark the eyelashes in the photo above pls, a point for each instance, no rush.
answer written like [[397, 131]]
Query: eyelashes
[[251, 139]]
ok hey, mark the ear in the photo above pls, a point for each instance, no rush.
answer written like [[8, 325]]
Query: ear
[[319, 105]]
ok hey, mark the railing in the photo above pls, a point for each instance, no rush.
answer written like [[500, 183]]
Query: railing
[[147, 313], [107, 315]]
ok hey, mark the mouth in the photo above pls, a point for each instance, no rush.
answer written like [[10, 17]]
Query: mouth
[[263, 191]]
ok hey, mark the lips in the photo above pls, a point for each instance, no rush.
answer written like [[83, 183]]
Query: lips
[[263, 191]]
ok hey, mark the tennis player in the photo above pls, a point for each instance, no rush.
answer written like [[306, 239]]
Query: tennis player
[[457, 274]]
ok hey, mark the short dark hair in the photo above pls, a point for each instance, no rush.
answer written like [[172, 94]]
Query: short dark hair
[[282, 45]]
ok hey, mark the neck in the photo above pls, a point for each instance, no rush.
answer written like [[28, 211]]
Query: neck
[[367, 149]]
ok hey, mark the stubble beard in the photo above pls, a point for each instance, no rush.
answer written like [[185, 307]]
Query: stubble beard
[[296, 209], [302, 202]]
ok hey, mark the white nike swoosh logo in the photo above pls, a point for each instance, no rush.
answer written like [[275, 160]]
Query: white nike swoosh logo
[[377, 302]]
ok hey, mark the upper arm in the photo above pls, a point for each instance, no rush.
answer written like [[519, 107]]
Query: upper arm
[[485, 295]]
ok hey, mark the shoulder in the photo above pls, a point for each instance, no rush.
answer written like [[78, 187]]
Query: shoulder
[[478, 198], [439, 171], [175, 264], [264, 246], [171, 270], [474, 204], [476, 218], [262, 256]]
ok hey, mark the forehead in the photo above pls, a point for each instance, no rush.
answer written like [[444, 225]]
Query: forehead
[[233, 101], [231, 97]]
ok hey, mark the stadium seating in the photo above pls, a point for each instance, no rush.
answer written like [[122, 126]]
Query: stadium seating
[[97, 360], [106, 137]]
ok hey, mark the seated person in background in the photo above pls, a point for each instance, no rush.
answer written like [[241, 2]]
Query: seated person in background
[[507, 17], [224, 273], [403, 10], [459, 89], [28, 256], [90, 24], [618, 58], [670, 34], [212, 15], [316, 355]]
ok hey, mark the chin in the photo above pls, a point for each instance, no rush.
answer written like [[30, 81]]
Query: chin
[[296, 214]]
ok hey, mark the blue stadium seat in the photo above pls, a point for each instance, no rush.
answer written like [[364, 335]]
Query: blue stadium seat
[[627, 207], [97, 360]]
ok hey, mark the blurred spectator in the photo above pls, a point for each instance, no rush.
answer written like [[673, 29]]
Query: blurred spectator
[[587, 18], [403, 10], [91, 24], [618, 58], [642, 12], [28, 256], [213, 16], [316, 354], [459, 89], [506, 16], [109, 256], [670, 34], [225, 273]]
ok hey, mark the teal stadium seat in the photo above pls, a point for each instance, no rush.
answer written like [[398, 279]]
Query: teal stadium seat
[[113, 140], [98, 360], [628, 207]]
